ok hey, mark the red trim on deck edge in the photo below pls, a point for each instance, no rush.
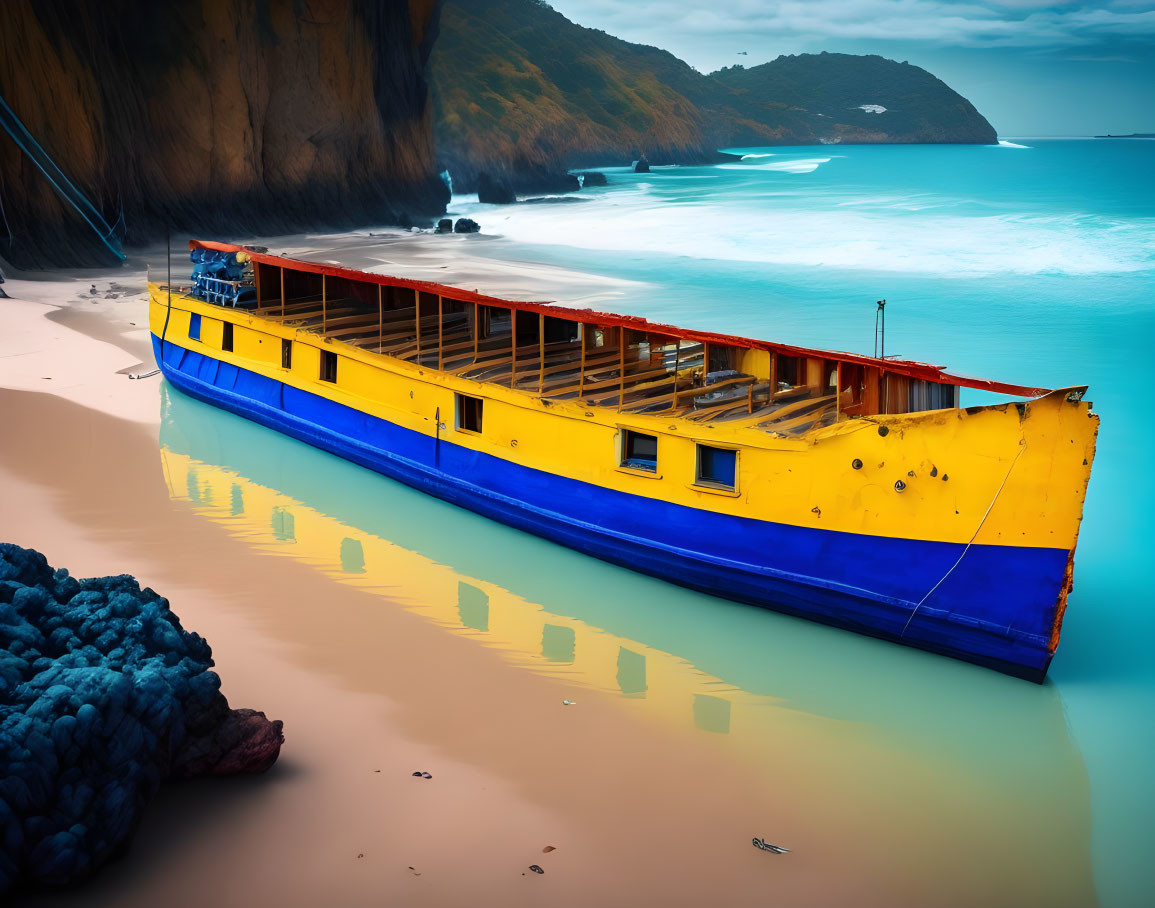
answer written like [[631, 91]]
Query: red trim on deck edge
[[909, 368]]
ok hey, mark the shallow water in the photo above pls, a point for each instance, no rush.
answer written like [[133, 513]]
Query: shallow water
[[1032, 264], [861, 747]]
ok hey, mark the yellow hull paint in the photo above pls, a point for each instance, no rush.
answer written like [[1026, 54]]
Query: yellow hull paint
[[1009, 474]]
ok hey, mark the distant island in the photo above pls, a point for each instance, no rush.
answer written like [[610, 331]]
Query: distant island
[[524, 94], [1131, 135]]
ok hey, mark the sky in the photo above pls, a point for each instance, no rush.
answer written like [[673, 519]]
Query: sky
[[1032, 67]]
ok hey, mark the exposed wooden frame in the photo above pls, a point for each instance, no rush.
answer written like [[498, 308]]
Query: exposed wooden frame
[[900, 368], [541, 349], [305, 315], [647, 382], [791, 408], [582, 373], [677, 364], [469, 346], [838, 388], [417, 318], [691, 393], [621, 365], [818, 408], [513, 344], [291, 307]]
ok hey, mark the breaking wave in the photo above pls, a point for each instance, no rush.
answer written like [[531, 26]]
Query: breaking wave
[[934, 211], [787, 165]]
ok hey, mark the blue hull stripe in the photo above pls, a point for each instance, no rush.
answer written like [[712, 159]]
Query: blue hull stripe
[[996, 608]]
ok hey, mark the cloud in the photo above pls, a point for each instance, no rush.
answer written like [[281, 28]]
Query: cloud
[[1000, 23]]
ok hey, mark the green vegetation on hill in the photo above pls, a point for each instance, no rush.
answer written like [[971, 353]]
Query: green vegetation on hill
[[520, 91], [519, 87], [919, 107]]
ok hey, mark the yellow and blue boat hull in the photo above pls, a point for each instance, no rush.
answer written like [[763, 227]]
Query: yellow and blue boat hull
[[972, 558]]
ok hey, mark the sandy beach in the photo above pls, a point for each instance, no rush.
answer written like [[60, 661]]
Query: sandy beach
[[636, 810]]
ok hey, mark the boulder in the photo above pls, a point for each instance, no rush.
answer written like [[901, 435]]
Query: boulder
[[593, 178], [535, 180], [103, 696], [445, 225], [466, 225], [563, 182], [641, 165], [492, 191]]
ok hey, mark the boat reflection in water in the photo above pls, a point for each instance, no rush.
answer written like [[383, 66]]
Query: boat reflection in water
[[874, 734]]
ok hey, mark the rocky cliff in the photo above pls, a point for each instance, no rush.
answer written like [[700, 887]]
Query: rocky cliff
[[521, 91], [215, 116]]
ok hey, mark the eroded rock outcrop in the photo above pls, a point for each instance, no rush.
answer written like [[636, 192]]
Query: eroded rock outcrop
[[103, 696], [494, 192], [215, 117]]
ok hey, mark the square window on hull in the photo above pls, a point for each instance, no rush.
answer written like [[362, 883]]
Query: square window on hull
[[639, 451], [469, 410], [194, 326], [328, 366], [227, 337], [717, 467], [286, 353]]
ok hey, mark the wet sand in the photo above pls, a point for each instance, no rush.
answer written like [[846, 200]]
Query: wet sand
[[638, 812], [363, 689]]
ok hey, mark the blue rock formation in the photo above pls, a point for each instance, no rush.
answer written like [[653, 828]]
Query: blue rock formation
[[103, 695]]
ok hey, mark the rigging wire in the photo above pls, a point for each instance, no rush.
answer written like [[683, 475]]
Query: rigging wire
[[52, 172], [3, 213], [950, 570]]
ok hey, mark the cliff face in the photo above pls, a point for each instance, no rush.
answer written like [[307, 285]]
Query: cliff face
[[520, 90], [215, 116]]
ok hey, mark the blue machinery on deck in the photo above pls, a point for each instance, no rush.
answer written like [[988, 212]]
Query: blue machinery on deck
[[218, 277]]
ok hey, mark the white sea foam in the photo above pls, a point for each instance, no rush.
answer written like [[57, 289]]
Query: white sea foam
[[849, 228], [787, 165], [1005, 144]]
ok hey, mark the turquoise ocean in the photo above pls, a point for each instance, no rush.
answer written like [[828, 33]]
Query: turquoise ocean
[[1033, 262]]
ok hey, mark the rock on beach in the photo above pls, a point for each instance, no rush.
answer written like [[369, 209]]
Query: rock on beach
[[103, 696]]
